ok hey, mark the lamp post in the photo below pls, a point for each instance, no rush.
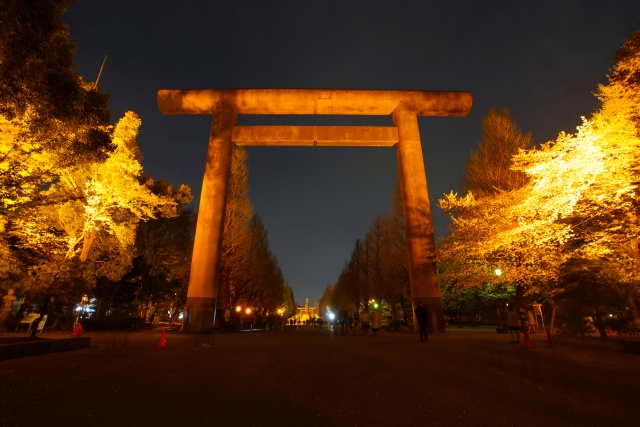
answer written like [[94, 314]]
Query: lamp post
[[83, 301]]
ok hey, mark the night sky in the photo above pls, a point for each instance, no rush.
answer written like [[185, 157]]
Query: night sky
[[542, 60]]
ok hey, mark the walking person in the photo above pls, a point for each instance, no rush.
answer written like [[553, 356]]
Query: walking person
[[364, 320], [375, 322], [422, 315], [513, 324], [524, 320], [533, 325]]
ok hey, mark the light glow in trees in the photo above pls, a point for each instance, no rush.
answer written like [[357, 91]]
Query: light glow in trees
[[582, 200], [98, 202]]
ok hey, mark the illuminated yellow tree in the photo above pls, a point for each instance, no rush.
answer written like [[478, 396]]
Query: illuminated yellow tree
[[468, 257], [94, 208], [585, 185], [581, 202]]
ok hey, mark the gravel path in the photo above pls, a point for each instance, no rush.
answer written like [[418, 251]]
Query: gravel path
[[314, 378]]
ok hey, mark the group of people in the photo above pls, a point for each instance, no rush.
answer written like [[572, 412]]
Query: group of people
[[371, 320], [367, 321], [520, 320]]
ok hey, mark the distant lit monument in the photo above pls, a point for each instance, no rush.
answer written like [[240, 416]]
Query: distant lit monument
[[306, 313], [226, 104]]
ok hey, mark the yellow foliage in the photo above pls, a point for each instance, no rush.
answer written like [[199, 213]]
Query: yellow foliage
[[112, 187], [583, 191], [89, 199]]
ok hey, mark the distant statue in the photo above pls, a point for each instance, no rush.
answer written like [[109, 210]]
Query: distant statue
[[7, 301]]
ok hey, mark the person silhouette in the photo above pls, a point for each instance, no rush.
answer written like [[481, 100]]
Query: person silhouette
[[422, 315]]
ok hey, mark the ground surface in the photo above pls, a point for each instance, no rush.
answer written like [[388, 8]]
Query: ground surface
[[313, 378]]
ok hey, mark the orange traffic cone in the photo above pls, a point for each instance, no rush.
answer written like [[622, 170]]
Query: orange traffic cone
[[550, 342], [75, 330], [79, 330], [163, 339], [527, 341]]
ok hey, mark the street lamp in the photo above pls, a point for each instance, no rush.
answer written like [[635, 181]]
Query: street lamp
[[80, 309], [498, 272]]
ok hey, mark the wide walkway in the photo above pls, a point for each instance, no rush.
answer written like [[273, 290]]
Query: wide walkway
[[312, 378]]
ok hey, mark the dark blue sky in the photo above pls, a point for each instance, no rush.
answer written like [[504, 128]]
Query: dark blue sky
[[541, 60]]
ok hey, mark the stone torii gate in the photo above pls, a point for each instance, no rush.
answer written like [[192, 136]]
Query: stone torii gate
[[226, 104]]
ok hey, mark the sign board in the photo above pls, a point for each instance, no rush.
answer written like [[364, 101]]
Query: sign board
[[42, 323], [30, 318], [537, 309]]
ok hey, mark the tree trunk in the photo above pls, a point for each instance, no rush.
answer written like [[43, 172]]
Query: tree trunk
[[631, 302], [599, 324], [86, 246], [146, 308], [99, 309], [404, 312]]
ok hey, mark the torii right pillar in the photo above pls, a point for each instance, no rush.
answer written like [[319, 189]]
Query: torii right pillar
[[418, 225]]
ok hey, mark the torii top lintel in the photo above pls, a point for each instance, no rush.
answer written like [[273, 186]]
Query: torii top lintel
[[315, 101]]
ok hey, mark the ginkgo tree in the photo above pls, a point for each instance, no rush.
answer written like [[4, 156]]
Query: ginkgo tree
[[85, 222], [581, 202], [587, 185], [470, 255]]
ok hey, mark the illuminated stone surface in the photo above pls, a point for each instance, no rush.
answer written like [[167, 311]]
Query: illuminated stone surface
[[417, 216], [205, 263], [225, 104], [315, 101], [336, 136]]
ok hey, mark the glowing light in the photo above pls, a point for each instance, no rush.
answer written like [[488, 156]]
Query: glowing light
[[248, 311], [238, 308], [331, 315], [498, 272]]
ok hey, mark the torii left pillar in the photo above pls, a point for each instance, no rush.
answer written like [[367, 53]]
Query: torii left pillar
[[207, 248]]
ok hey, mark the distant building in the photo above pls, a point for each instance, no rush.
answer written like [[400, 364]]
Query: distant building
[[306, 312]]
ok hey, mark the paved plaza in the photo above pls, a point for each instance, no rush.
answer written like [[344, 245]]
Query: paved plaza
[[314, 378]]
